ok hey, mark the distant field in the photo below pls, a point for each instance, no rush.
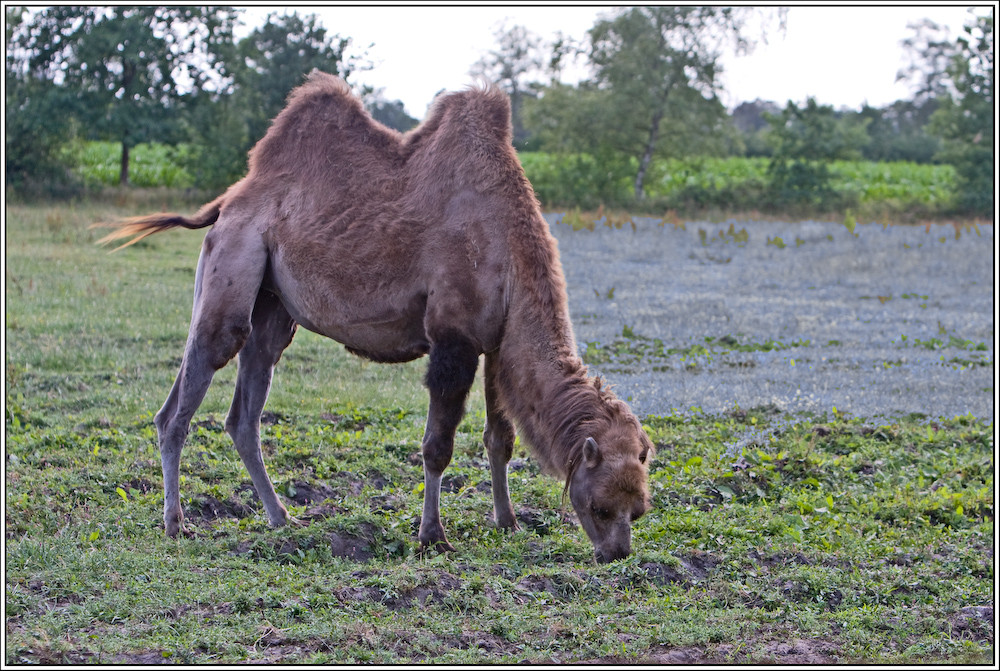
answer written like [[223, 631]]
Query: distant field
[[570, 180], [150, 164], [737, 182], [772, 540]]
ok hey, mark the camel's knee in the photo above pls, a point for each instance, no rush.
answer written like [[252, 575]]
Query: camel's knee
[[218, 346], [498, 436], [437, 454], [452, 369]]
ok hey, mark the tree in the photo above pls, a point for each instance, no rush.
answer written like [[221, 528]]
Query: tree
[[750, 120], [222, 125], [662, 64], [126, 69], [390, 113], [37, 124], [898, 132], [517, 55], [804, 141], [958, 74], [276, 57]]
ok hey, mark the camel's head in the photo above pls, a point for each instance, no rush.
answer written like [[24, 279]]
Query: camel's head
[[607, 487]]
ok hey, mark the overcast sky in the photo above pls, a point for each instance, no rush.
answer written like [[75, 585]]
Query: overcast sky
[[842, 55]]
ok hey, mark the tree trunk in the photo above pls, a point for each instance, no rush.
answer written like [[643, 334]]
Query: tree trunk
[[647, 154], [123, 176]]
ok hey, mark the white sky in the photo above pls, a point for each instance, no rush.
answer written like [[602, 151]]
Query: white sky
[[842, 55]]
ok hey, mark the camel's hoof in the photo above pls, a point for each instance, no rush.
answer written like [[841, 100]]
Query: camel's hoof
[[438, 546]]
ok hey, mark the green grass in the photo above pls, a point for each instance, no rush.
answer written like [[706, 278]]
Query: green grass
[[886, 189], [858, 542], [151, 164]]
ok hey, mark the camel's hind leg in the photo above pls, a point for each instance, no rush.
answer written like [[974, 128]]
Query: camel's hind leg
[[273, 329], [230, 269]]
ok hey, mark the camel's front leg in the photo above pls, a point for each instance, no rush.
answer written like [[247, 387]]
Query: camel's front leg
[[449, 377], [498, 436]]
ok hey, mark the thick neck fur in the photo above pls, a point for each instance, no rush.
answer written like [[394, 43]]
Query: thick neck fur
[[544, 387]]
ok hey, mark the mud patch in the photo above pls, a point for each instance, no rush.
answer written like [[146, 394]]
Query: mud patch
[[344, 423], [699, 564], [694, 567], [691, 654], [282, 550], [542, 522], [143, 658], [663, 574]]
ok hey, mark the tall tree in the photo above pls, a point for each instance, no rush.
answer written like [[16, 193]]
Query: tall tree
[[517, 55], [276, 57], [392, 113], [898, 131], [127, 67], [958, 73], [663, 62], [37, 122]]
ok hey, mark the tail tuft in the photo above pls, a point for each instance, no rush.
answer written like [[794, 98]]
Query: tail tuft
[[138, 228]]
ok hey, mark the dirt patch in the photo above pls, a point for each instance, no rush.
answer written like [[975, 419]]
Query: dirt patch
[[542, 522], [207, 507], [795, 651], [699, 564], [356, 547], [306, 493], [318, 512], [780, 558], [973, 623], [142, 658], [141, 485], [345, 423], [684, 655], [435, 589], [662, 574]]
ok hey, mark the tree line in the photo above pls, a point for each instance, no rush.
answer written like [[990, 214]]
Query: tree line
[[177, 75]]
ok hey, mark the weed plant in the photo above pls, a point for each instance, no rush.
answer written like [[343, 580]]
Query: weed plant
[[771, 539]]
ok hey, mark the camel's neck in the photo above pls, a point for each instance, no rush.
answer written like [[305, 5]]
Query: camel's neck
[[545, 390], [542, 384]]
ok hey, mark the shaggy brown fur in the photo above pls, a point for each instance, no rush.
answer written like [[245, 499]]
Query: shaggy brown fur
[[398, 246]]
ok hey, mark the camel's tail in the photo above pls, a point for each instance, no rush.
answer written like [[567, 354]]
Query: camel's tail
[[140, 227]]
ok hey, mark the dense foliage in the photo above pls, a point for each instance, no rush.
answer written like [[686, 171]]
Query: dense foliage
[[178, 76]]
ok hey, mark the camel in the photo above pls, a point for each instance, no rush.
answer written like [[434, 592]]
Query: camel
[[397, 246]]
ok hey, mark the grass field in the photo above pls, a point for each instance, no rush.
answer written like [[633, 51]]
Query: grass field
[[773, 539]]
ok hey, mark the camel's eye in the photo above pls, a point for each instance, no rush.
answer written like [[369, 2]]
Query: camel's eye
[[600, 513]]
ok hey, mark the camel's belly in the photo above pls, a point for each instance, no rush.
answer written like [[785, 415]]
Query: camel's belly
[[380, 325]]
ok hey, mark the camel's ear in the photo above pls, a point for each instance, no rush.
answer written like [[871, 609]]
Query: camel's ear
[[647, 447], [591, 453]]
